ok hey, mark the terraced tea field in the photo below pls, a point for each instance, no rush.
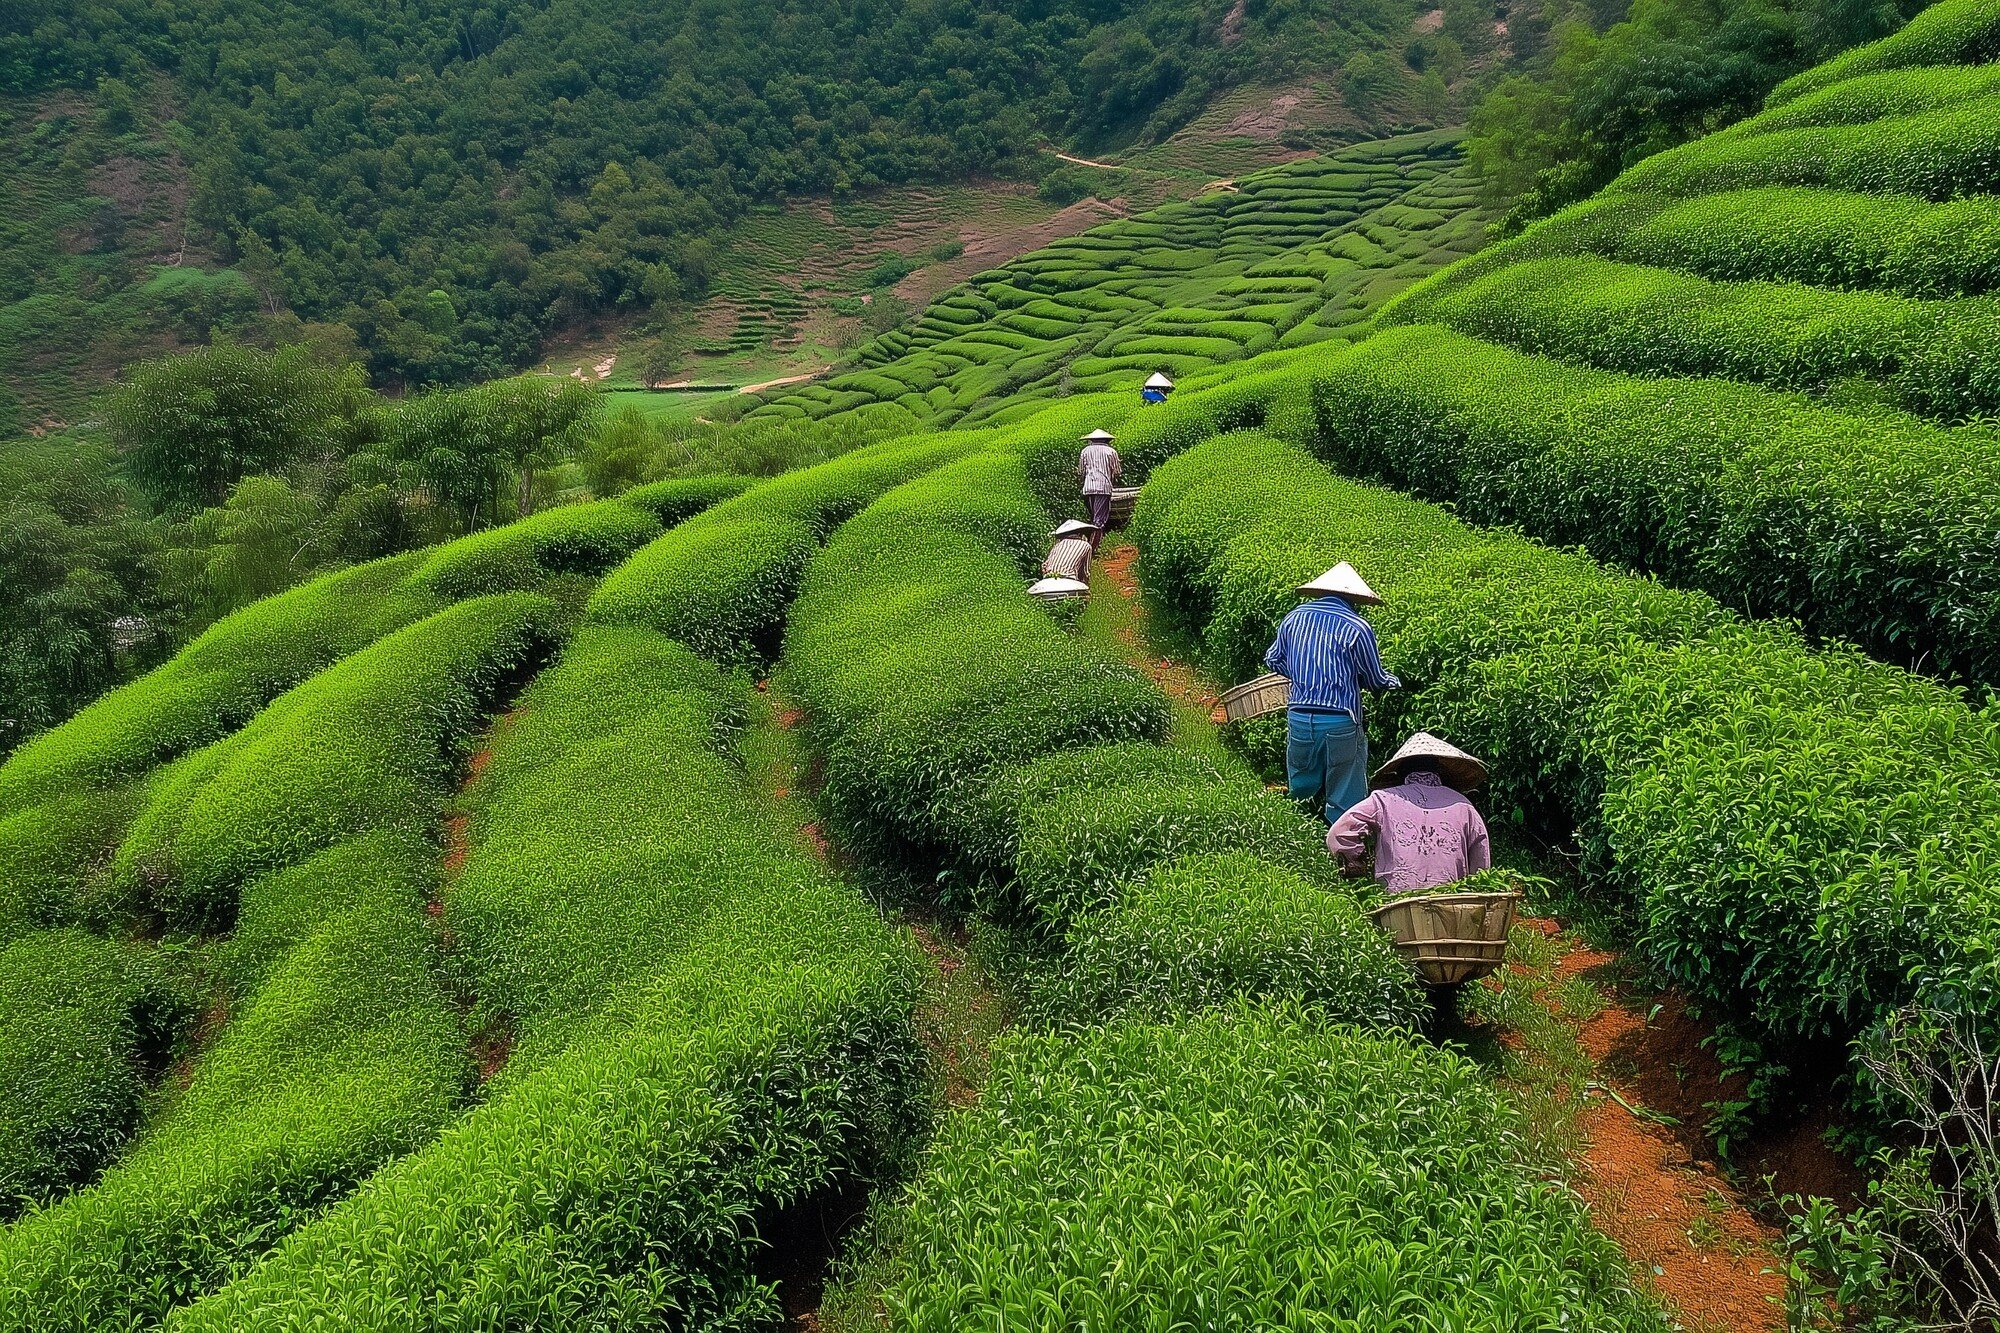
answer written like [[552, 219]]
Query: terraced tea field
[[1293, 255], [437, 944]]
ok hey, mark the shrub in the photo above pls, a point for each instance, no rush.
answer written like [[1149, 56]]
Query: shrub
[[1746, 798], [721, 582], [713, 1031], [574, 539], [1202, 931], [1317, 1178], [343, 1052], [70, 1077], [1954, 31], [372, 743], [680, 499], [924, 668], [1875, 528]]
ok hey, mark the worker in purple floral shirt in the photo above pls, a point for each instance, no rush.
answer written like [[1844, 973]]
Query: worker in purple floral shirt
[[1426, 833], [1328, 653]]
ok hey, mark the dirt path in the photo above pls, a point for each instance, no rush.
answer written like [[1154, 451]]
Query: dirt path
[[1632, 1073], [1598, 1063], [1085, 162], [1116, 571], [489, 1046], [785, 380]]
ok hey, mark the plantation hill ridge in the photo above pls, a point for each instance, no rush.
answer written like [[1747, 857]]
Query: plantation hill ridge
[[491, 850]]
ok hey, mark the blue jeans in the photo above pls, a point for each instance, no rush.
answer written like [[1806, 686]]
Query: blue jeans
[[1326, 759]]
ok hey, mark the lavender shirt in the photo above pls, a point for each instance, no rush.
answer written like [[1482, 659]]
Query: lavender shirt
[[1426, 835]]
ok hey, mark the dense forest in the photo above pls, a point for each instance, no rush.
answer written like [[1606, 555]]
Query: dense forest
[[450, 181]]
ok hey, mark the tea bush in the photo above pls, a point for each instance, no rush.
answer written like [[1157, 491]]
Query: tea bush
[[1202, 931], [680, 499], [717, 1031], [70, 1078], [1313, 1177], [721, 582], [576, 539], [1965, 32], [341, 1053], [1875, 528], [924, 668], [372, 743], [1803, 836]]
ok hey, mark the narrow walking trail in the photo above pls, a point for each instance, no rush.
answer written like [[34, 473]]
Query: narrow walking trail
[[1601, 1062]]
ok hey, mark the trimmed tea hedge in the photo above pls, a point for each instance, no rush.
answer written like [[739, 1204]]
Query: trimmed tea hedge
[[70, 1076], [1951, 32], [1202, 931], [1248, 1169], [924, 668], [575, 539], [372, 742], [722, 1032], [1807, 837], [342, 1052], [1874, 528], [680, 499], [721, 582]]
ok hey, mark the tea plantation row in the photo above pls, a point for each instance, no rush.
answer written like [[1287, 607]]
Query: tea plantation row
[[1293, 255]]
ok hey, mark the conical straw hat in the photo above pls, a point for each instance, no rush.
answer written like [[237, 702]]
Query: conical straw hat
[[1073, 527], [1455, 766], [1159, 381], [1099, 436], [1343, 580], [1057, 588]]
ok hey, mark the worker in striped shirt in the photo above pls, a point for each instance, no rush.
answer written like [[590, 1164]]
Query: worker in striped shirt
[[1328, 652]]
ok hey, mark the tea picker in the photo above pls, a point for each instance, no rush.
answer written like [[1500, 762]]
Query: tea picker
[[1327, 654], [1098, 468], [1069, 558], [1428, 836], [1156, 389]]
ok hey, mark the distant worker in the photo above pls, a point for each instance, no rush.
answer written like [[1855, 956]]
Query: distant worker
[[1328, 652], [1098, 468], [1157, 388], [1426, 833]]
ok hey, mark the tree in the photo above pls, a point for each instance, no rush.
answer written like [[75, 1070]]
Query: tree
[[447, 448], [538, 421], [190, 426]]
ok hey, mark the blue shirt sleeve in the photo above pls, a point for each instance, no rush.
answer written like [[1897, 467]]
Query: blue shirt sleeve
[[1368, 663], [1274, 656]]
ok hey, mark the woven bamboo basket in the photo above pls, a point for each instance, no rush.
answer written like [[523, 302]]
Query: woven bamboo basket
[[1123, 500], [1254, 698], [1451, 938], [1068, 559]]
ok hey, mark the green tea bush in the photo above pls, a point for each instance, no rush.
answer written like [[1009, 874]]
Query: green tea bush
[[1965, 32], [1937, 155], [1312, 1177], [1875, 528], [1864, 97], [574, 539], [70, 1076], [1203, 931], [372, 743], [924, 668], [1803, 837], [1081, 848], [341, 1053], [721, 582], [712, 1030]]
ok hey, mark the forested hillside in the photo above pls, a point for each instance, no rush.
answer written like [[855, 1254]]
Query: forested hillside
[[448, 185]]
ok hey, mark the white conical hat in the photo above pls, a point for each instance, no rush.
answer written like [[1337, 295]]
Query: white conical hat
[[1341, 579], [1159, 381], [1099, 436], [1058, 588], [1455, 766], [1073, 527]]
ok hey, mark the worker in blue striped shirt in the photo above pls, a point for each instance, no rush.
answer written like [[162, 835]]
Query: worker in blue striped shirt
[[1328, 652]]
